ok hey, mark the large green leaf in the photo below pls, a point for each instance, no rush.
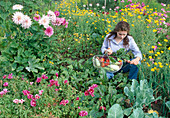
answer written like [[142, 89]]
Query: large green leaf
[[137, 113], [115, 111]]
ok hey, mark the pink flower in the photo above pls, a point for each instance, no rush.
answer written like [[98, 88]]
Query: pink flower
[[77, 98], [155, 48], [38, 80], [86, 93], [130, 1], [102, 107], [78, 107], [99, 98], [56, 75], [64, 102], [4, 76], [29, 96], [21, 101], [10, 76], [163, 4], [16, 101], [57, 13], [5, 84], [44, 77], [91, 90], [57, 22], [56, 89], [56, 83], [2, 93], [37, 96], [65, 81], [83, 113], [122, 1], [5, 91], [94, 86], [31, 83], [41, 91], [37, 17], [66, 24], [25, 92], [33, 102], [49, 31]]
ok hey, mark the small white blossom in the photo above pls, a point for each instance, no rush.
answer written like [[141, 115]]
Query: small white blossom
[[17, 7]]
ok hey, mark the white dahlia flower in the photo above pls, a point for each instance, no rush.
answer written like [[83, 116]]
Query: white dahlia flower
[[18, 17], [51, 15], [26, 22], [45, 20]]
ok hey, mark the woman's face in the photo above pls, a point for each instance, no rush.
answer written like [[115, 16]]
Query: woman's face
[[121, 34]]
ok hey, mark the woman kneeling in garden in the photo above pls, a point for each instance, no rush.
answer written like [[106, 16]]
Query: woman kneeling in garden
[[120, 38]]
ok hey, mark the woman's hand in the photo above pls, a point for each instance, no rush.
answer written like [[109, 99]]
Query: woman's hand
[[109, 51], [134, 61]]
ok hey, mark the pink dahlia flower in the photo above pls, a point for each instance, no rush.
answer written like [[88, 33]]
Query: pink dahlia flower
[[49, 31]]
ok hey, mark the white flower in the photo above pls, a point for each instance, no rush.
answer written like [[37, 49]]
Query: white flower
[[97, 4], [17, 7], [103, 7], [84, 5], [21, 101], [90, 5], [51, 15], [26, 23], [45, 20], [18, 17]]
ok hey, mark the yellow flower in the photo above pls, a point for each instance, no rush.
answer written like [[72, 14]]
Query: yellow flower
[[87, 21], [132, 25], [169, 48], [166, 64], [162, 51], [151, 51], [139, 17], [95, 27], [161, 66], [87, 38], [150, 57], [159, 63], [152, 69], [147, 27], [153, 46], [165, 40], [158, 53], [151, 111], [43, 59], [160, 44], [155, 63], [155, 68], [50, 62], [154, 30]]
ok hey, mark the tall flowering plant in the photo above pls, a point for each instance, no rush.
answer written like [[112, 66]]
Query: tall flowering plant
[[32, 41]]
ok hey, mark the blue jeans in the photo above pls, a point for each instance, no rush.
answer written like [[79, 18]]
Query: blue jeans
[[131, 68]]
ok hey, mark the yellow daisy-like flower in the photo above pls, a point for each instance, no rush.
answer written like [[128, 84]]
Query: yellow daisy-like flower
[[152, 69], [95, 27], [162, 51], [152, 111], [87, 38], [155, 63], [153, 46], [132, 25], [156, 55], [154, 30], [169, 48], [165, 40], [150, 57], [87, 21], [159, 63], [161, 66], [139, 17], [160, 44]]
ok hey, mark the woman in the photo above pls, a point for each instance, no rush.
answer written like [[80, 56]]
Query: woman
[[120, 38]]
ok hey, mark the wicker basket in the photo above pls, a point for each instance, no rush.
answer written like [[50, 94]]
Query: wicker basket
[[105, 61]]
